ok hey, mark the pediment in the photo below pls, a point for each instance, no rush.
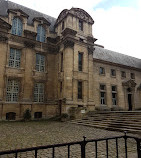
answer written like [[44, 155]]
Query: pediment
[[4, 24], [129, 83], [77, 12], [42, 20], [17, 11]]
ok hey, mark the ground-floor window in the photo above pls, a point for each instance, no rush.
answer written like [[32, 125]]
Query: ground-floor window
[[10, 116], [114, 95], [38, 115], [102, 94]]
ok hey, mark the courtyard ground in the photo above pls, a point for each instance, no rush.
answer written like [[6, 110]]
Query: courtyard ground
[[16, 135]]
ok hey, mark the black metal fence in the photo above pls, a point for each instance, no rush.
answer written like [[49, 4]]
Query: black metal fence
[[83, 149]]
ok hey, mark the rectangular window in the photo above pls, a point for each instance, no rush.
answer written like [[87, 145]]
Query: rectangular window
[[12, 90], [80, 25], [101, 71], [123, 74], [102, 94], [40, 62], [61, 62], [63, 25], [79, 90], [114, 95], [14, 58], [113, 72], [132, 76], [39, 92], [60, 87], [80, 61]]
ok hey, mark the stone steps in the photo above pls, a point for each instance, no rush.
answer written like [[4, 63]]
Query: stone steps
[[120, 121]]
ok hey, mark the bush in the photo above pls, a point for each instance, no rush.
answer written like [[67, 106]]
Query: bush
[[27, 115]]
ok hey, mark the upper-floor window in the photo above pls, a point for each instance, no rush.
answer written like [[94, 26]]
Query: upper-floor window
[[113, 72], [12, 90], [41, 33], [61, 62], [101, 71], [123, 74], [17, 26], [63, 25], [80, 25], [80, 61], [14, 58], [40, 62], [39, 92], [79, 89], [132, 76]]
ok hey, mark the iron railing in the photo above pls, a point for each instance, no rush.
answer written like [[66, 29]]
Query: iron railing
[[82, 147]]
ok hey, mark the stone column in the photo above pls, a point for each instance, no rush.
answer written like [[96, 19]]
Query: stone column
[[68, 69]]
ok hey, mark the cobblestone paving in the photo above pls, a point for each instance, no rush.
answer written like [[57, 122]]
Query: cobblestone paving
[[15, 135]]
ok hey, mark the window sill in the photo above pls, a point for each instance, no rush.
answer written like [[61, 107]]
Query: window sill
[[22, 69]]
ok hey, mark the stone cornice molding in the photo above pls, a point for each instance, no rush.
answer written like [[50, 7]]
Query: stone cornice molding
[[90, 49], [4, 24], [77, 12], [69, 31], [29, 44], [91, 39], [41, 20], [3, 38], [68, 43], [129, 83], [16, 11]]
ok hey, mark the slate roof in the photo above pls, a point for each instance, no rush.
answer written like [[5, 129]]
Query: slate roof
[[5, 5], [114, 57]]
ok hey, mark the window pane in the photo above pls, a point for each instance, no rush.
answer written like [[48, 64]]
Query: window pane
[[79, 90], [17, 27], [39, 92], [80, 60], [41, 34], [40, 62], [12, 90]]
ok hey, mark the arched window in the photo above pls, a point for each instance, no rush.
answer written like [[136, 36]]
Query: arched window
[[17, 27], [41, 33]]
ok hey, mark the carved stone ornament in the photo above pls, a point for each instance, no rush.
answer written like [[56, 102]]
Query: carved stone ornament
[[91, 39], [3, 38], [129, 83], [77, 12], [4, 24], [53, 40], [90, 49], [69, 31], [68, 43], [29, 44]]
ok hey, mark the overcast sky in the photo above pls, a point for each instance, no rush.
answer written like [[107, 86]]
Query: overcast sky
[[117, 22]]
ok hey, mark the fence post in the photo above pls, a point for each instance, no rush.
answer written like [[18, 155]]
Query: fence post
[[125, 139], [83, 149], [138, 147]]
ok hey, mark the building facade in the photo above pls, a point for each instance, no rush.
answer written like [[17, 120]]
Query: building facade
[[52, 66]]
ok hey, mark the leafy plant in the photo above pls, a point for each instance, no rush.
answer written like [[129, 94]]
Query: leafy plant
[[27, 115]]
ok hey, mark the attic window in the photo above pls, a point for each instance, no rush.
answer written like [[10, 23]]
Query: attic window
[[63, 25], [80, 25], [17, 27], [41, 33]]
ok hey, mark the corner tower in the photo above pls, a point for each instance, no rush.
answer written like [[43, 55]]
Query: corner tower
[[75, 72]]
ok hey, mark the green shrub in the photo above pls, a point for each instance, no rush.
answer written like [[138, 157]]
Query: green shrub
[[27, 115]]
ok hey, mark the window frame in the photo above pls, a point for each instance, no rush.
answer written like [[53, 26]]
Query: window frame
[[123, 74], [14, 60], [81, 27], [103, 91], [12, 90], [80, 62], [79, 90], [101, 72], [38, 64], [113, 74], [115, 93], [38, 94], [41, 33], [18, 29], [132, 75]]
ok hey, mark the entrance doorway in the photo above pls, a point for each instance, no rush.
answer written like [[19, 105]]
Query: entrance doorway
[[130, 102]]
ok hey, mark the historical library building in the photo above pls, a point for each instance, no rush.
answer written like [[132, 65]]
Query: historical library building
[[52, 66]]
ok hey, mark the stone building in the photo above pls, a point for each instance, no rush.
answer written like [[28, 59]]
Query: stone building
[[51, 66]]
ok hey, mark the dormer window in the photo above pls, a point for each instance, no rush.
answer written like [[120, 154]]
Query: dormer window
[[41, 33], [80, 25], [17, 26]]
